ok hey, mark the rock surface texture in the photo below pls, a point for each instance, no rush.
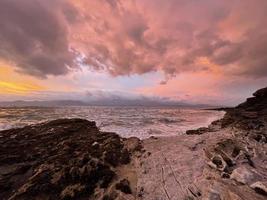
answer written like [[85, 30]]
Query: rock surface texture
[[226, 161], [64, 159]]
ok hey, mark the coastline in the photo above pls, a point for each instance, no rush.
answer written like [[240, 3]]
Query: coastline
[[227, 160]]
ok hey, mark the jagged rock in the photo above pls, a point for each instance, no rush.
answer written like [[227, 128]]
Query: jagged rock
[[244, 151], [61, 159]]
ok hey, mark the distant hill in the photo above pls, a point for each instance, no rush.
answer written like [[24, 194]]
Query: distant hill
[[103, 102], [42, 103]]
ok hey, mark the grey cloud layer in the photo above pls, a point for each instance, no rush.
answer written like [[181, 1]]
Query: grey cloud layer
[[33, 36], [134, 36]]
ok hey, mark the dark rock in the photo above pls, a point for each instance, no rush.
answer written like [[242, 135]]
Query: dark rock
[[217, 161], [199, 131], [111, 196], [72, 191], [61, 159], [141, 192], [260, 187], [124, 186], [261, 93], [153, 137], [225, 175]]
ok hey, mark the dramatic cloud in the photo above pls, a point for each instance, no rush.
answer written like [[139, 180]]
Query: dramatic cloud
[[34, 36], [124, 37], [135, 37]]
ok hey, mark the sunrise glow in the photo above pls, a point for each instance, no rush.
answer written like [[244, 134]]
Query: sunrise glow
[[190, 51]]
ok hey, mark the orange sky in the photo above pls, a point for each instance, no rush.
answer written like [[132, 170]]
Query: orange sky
[[17, 84]]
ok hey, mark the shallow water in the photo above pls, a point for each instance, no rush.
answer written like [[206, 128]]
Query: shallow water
[[141, 122]]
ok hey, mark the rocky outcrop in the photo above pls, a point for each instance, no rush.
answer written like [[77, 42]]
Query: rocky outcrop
[[225, 161], [250, 115], [242, 157], [63, 159]]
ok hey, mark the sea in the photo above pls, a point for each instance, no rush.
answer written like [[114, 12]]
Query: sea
[[141, 122]]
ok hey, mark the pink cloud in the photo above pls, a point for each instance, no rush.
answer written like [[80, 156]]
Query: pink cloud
[[134, 36], [211, 42]]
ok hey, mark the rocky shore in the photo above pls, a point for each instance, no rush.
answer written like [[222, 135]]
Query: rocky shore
[[72, 159], [226, 161], [65, 159]]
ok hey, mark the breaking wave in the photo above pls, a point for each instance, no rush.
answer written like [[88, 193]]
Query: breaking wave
[[140, 122]]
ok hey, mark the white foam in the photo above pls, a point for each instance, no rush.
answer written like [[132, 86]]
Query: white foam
[[141, 122]]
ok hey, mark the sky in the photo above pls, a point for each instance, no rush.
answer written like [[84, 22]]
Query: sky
[[194, 51]]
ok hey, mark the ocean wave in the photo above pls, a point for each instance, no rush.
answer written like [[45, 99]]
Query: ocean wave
[[127, 122], [7, 116]]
